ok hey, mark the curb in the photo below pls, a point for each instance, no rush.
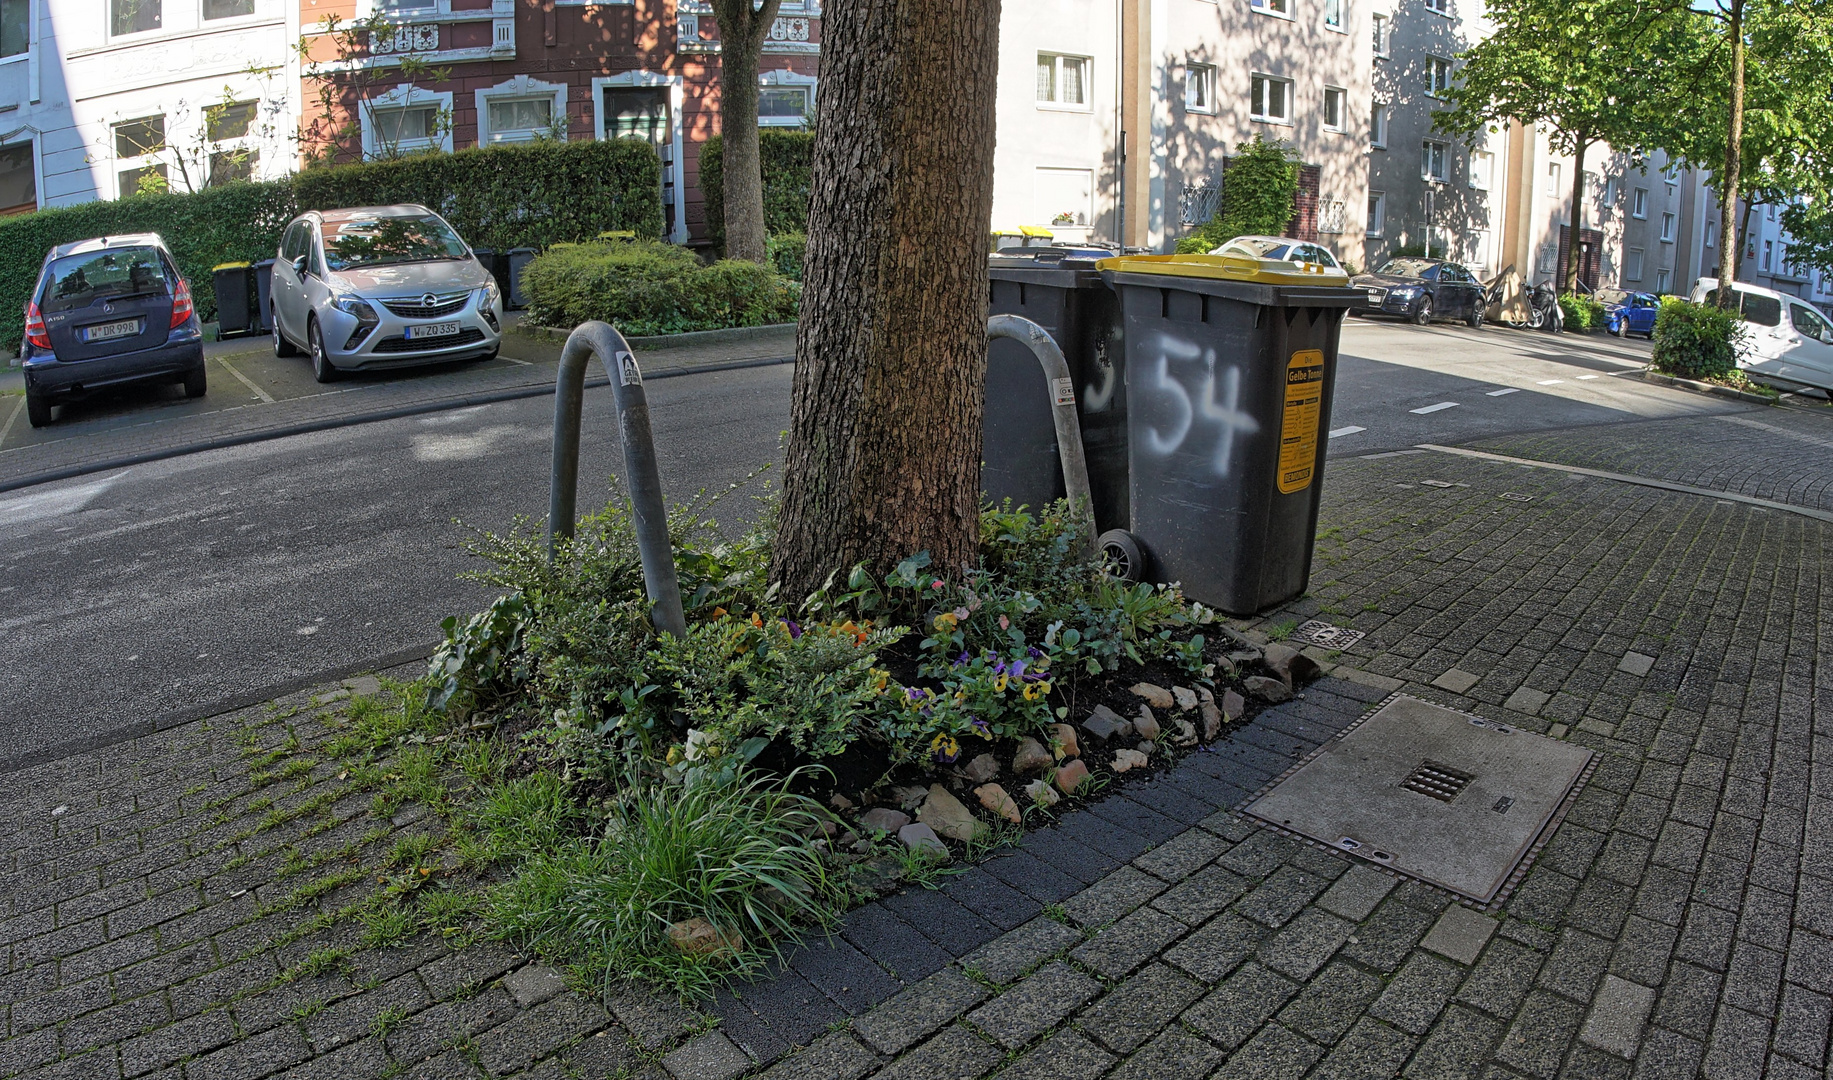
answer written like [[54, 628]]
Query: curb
[[308, 427], [1707, 388], [656, 343]]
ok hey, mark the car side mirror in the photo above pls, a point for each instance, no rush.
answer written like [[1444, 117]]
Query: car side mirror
[[299, 265]]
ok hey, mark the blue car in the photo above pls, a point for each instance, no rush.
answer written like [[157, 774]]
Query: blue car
[[106, 313], [1627, 313]]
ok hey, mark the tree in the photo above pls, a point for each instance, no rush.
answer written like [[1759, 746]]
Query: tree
[[742, 25], [1576, 68], [884, 443], [1258, 187]]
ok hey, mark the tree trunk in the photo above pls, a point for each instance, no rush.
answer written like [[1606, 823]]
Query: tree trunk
[[883, 458], [1730, 243], [741, 36], [1568, 274]]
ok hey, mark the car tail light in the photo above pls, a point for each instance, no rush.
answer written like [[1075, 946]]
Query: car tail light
[[181, 303], [35, 331]]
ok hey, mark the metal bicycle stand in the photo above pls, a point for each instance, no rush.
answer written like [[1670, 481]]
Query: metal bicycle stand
[[601, 340], [1063, 408]]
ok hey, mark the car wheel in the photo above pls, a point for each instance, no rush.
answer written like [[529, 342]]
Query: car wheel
[[282, 347], [1424, 314], [1125, 558], [1475, 322], [1621, 329], [321, 363], [37, 410], [195, 382]]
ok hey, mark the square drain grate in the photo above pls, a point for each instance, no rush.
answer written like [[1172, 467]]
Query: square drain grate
[[1326, 636], [1452, 799]]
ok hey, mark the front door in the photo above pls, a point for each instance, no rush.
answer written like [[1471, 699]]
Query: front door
[[643, 112], [1809, 358]]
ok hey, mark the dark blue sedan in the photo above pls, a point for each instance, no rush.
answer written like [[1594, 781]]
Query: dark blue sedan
[[106, 313], [1627, 313]]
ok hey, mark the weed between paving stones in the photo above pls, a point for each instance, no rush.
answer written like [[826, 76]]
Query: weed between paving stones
[[677, 810]]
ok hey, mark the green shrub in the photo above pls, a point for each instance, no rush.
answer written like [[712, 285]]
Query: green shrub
[[788, 167], [501, 197], [1258, 186], [788, 251], [1581, 313], [1696, 341], [653, 288]]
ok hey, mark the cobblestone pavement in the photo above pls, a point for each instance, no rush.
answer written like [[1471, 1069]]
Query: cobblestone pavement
[[161, 896]]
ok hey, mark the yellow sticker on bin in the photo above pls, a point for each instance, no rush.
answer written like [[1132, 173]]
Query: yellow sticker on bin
[[1298, 427], [1228, 268]]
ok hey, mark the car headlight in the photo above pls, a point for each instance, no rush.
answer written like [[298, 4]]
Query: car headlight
[[355, 305], [488, 296], [1404, 292]]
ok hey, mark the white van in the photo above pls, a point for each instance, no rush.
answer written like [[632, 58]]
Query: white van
[[1786, 339]]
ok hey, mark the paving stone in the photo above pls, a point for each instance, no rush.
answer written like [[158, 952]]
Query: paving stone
[[1356, 892], [1175, 1054], [467, 968], [1456, 680], [1234, 1010], [846, 975], [1202, 894], [1118, 949], [353, 1017], [174, 1042], [426, 1033], [1527, 700], [1537, 1041], [1139, 1008], [1457, 1045], [891, 941], [1183, 855], [1066, 1055], [1368, 1050], [1024, 871], [1801, 1025], [534, 984], [1272, 1054], [1214, 950], [1502, 978], [956, 1054], [535, 1033], [258, 1055], [1113, 896], [1617, 1016], [1388, 937], [1261, 853], [1575, 967], [793, 1010], [992, 899], [1738, 1045], [1281, 896], [653, 1020], [1637, 664], [1011, 954], [956, 929], [1459, 934], [1331, 1003], [1413, 1000], [834, 1057], [918, 1011], [1034, 1005], [708, 1057]]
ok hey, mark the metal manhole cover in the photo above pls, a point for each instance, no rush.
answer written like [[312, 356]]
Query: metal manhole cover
[[1324, 635], [1493, 788]]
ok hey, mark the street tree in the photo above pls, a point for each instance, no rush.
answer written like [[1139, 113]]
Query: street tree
[[1577, 69], [742, 26], [883, 457]]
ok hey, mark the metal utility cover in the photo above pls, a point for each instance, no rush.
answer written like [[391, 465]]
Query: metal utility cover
[[1363, 793]]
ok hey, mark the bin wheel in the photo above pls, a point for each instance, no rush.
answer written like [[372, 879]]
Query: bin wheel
[[1125, 558]]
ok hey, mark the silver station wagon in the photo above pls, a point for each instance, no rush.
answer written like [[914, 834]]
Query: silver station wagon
[[380, 287]]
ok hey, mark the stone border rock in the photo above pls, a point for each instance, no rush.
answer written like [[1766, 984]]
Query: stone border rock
[[1651, 375]]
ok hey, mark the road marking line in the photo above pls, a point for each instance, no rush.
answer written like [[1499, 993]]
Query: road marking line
[[1350, 430], [1440, 407], [1505, 391], [1582, 378], [260, 393], [1549, 382], [7, 429], [1626, 478], [513, 360]]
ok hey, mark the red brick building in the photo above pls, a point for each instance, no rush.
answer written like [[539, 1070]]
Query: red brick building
[[525, 69]]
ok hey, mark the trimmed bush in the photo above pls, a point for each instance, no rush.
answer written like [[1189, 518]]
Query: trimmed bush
[[787, 253], [788, 159], [1258, 186], [1696, 341], [502, 197], [649, 288], [1581, 312]]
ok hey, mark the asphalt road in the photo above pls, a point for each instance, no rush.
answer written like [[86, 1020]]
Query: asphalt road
[[176, 588]]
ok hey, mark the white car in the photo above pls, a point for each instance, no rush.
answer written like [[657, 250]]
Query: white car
[[1787, 340], [1280, 249]]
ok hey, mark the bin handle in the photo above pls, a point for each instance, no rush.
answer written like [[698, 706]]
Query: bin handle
[[1061, 387]]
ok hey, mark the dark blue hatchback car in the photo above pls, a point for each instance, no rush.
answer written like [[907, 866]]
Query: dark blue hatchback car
[[105, 313]]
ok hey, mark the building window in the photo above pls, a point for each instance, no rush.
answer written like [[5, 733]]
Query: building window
[[1270, 99], [134, 16], [231, 120], [1638, 203], [1335, 101], [1610, 191], [1478, 252], [1772, 213], [1661, 281], [1553, 186], [1379, 25], [15, 28], [520, 119], [785, 98], [1062, 80], [1200, 88], [406, 128], [1438, 75], [523, 109], [1482, 169], [406, 120], [1282, 8], [1667, 228], [1377, 126], [1711, 233], [1443, 7], [18, 179], [227, 9], [1769, 250], [1377, 213], [135, 142], [1434, 160], [1333, 13], [1544, 265], [1331, 215], [1632, 269]]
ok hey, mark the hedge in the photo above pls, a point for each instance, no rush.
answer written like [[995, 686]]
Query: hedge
[[502, 197], [1581, 313], [788, 168], [648, 287], [1696, 341]]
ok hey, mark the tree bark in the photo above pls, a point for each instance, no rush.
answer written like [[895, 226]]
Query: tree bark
[[1730, 243], [1569, 272], [883, 459], [741, 37]]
